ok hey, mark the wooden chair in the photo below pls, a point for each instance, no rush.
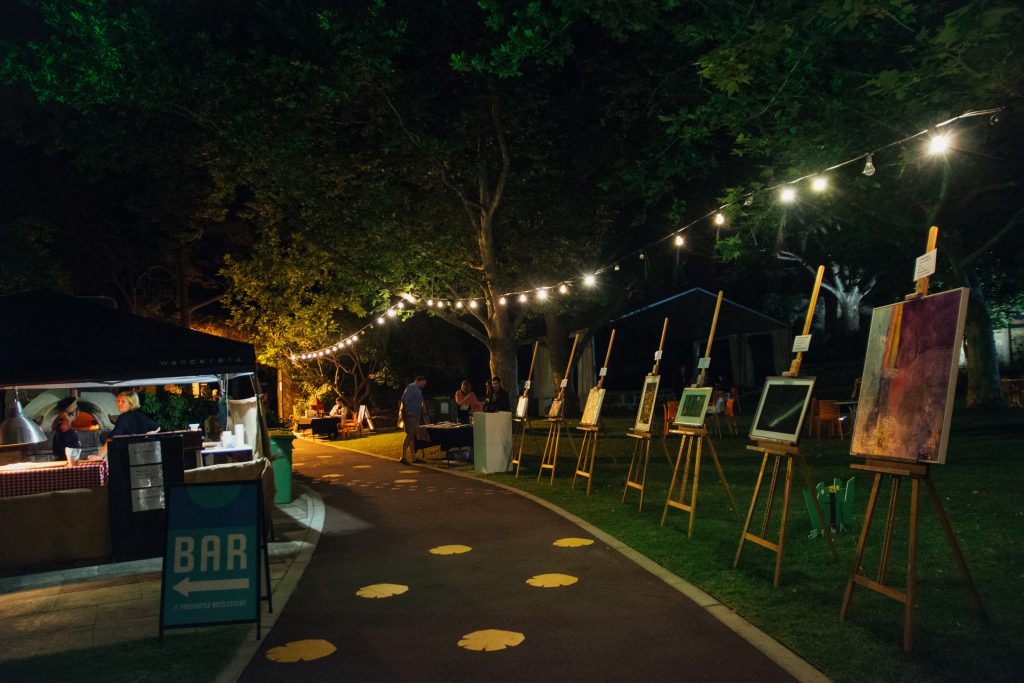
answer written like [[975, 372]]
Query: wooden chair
[[855, 394], [736, 401], [828, 412], [669, 408], [730, 415], [349, 425], [812, 416]]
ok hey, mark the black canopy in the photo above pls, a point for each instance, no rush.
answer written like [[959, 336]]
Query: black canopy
[[51, 339]]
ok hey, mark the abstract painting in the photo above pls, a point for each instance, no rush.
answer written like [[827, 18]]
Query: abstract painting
[[780, 413], [693, 404], [648, 397], [906, 391], [592, 411]]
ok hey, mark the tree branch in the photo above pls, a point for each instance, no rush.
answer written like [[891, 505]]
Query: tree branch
[[969, 260]]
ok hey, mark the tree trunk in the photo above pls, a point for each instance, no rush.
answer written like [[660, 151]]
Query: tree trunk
[[557, 339], [982, 362]]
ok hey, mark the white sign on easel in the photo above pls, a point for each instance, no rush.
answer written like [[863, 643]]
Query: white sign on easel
[[925, 264], [801, 343]]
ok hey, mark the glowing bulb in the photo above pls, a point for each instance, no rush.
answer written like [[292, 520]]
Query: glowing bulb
[[590, 280], [392, 313], [380, 321], [458, 304], [819, 183], [430, 302], [938, 144], [440, 304], [401, 304], [562, 289], [679, 240], [542, 294], [502, 301], [522, 298], [869, 166], [642, 257], [293, 356], [719, 218], [472, 304], [787, 195], [749, 201], [616, 266]]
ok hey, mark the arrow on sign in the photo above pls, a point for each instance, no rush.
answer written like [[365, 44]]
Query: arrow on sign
[[185, 586]]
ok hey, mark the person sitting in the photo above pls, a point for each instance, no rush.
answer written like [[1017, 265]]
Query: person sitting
[[339, 409], [131, 421], [466, 402], [497, 398], [63, 435]]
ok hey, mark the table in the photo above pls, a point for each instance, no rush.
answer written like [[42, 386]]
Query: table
[[449, 435], [325, 426], [23, 479]]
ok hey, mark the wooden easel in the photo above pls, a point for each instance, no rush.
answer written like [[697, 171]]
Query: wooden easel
[[896, 471], [695, 436], [783, 451], [636, 478], [588, 449], [549, 459], [523, 423]]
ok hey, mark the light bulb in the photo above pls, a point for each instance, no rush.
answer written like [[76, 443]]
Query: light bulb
[[522, 298], [292, 356], [392, 313], [819, 183], [502, 301], [749, 201], [938, 144], [440, 304], [719, 218], [542, 294], [472, 303], [458, 304], [380, 321], [562, 289], [787, 195], [869, 166], [401, 304], [430, 302], [642, 256], [589, 280], [616, 266], [679, 240]]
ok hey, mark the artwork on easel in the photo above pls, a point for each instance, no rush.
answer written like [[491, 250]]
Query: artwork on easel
[[782, 408], [693, 405], [592, 411], [521, 407], [556, 408], [906, 394], [648, 397]]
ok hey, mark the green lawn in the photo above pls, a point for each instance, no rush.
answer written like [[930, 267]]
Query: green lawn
[[979, 487]]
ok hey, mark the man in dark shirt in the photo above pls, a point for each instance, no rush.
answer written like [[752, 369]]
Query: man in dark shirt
[[497, 397], [63, 435]]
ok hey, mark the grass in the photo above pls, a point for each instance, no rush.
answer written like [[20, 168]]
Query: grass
[[980, 485], [182, 657]]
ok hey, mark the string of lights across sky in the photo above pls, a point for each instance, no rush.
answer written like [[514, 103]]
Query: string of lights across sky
[[938, 142]]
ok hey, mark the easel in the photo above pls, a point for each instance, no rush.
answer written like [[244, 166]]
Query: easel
[[691, 436], [780, 451], [588, 449], [550, 456], [635, 478], [516, 454], [917, 472]]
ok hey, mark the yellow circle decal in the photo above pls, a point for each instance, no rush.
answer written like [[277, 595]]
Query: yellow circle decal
[[450, 550], [573, 542], [300, 651], [382, 590], [551, 580], [361, 467], [405, 481], [491, 640]]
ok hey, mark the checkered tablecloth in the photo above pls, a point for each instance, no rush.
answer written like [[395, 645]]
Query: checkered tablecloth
[[24, 482]]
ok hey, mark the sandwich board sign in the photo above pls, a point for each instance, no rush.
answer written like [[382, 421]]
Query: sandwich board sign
[[212, 556]]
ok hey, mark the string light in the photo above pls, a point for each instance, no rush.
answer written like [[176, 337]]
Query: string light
[[937, 143]]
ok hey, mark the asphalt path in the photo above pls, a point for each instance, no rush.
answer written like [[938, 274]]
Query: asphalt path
[[604, 619]]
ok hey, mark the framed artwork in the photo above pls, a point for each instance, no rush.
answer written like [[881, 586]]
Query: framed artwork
[[592, 411], [556, 408], [906, 389], [782, 408], [693, 405], [521, 407], [648, 397]]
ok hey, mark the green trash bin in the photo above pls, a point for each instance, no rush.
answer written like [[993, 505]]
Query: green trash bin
[[281, 451]]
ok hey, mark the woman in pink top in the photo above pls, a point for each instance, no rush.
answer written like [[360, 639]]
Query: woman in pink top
[[466, 402]]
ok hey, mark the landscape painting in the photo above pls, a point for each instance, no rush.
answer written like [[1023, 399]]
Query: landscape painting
[[780, 413], [648, 397], [693, 404], [906, 391], [592, 411]]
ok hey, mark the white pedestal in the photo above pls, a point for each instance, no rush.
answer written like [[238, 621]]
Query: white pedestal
[[492, 441]]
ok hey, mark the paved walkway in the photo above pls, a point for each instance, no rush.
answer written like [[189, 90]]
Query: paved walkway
[[425, 575]]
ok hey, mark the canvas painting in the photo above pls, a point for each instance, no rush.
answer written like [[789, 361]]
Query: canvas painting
[[521, 407], [592, 411], [648, 397], [556, 408], [693, 405], [906, 391], [782, 408]]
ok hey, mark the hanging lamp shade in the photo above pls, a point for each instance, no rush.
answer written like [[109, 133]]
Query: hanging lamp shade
[[19, 430]]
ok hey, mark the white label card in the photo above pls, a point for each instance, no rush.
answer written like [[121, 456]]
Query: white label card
[[603, 372], [526, 384], [144, 453], [925, 264], [148, 499], [145, 476], [801, 342], [704, 363], [564, 384], [657, 355]]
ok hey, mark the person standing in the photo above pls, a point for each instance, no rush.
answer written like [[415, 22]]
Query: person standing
[[63, 435], [497, 397], [466, 401], [412, 412], [131, 421]]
